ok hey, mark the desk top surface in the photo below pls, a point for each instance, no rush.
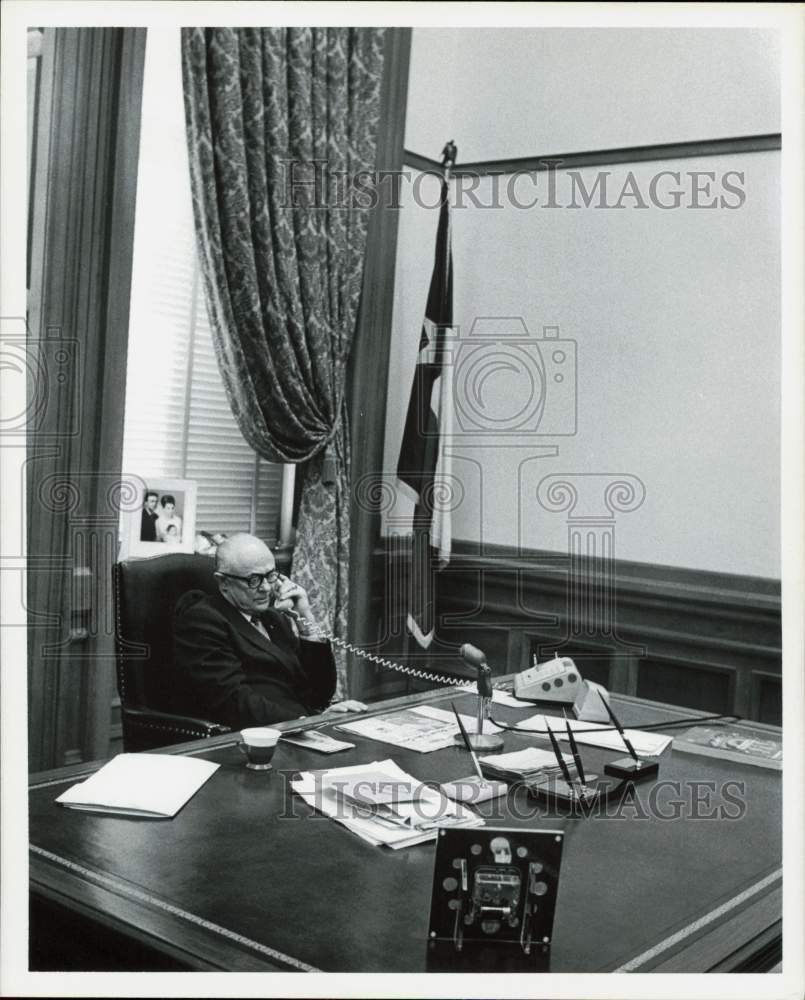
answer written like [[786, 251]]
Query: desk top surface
[[247, 863]]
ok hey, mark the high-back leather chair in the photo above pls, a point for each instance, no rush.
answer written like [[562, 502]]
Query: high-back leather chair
[[146, 592]]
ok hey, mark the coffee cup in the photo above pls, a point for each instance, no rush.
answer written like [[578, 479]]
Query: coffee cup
[[258, 745]]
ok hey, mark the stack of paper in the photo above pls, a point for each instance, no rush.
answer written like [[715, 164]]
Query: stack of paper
[[649, 744], [382, 804], [525, 763], [152, 785]]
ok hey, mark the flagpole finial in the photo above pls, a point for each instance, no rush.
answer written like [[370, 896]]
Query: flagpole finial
[[449, 158]]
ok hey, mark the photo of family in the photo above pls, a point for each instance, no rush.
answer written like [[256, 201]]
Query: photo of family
[[161, 518]]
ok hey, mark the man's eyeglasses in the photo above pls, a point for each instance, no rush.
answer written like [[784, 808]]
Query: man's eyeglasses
[[255, 581]]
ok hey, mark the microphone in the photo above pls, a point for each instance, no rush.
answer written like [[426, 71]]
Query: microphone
[[472, 655]]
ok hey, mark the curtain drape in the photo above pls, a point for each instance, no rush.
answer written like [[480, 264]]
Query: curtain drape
[[282, 130]]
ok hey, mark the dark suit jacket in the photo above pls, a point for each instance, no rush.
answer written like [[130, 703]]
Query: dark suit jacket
[[148, 526], [232, 674]]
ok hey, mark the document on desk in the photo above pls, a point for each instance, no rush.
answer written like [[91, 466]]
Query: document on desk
[[649, 744], [507, 698], [382, 804], [149, 785], [311, 739], [739, 744], [423, 729], [526, 763]]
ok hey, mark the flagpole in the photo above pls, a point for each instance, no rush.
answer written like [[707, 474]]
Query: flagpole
[[448, 159], [429, 417]]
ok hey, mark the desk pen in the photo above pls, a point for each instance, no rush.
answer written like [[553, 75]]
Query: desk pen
[[467, 743], [574, 750], [560, 757], [621, 730]]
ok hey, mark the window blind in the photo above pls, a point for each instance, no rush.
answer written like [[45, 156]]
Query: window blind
[[178, 423]]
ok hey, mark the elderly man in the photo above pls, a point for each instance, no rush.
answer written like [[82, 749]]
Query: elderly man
[[244, 660]]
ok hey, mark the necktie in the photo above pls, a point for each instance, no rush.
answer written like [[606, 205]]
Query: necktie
[[259, 626]]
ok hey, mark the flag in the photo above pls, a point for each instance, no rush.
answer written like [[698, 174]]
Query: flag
[[422, 468]]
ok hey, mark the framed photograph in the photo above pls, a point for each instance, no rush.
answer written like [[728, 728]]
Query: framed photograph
[[161, 518]]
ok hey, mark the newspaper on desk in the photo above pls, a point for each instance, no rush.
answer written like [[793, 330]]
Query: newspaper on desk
[[382, 804], [422, 729], [648, 744]]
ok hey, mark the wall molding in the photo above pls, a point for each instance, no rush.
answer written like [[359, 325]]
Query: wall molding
[[601, 157]]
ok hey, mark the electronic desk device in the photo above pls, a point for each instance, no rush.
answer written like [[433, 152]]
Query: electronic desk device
[[558, 680], [494, 893]]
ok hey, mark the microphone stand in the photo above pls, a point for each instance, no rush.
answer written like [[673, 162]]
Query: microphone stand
[[479, 740]]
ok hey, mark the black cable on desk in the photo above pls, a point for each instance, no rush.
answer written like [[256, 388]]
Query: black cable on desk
[[632, 725]]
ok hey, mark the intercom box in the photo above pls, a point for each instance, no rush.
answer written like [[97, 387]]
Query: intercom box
[[558, 680]]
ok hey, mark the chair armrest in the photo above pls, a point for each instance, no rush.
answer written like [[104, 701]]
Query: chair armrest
[[181, 727]]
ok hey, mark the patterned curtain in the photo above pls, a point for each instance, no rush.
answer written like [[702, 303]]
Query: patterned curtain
[[282, 127]]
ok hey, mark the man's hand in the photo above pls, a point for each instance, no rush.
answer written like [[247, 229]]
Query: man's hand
[[289, 596], [347, 706]]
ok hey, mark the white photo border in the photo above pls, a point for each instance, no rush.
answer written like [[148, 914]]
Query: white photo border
[[131, 545]]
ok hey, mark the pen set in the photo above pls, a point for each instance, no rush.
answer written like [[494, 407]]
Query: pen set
[[578, 787], [571, 787], [633, 768], [563, 784]]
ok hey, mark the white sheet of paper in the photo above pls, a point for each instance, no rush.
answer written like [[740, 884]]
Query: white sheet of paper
[[649, 744], [314, 740], [140, 784], [508, 699]]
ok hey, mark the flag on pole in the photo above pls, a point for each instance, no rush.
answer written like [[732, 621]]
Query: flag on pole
[[423, 465]]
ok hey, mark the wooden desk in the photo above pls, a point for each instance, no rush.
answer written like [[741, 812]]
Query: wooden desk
[[246, 877]]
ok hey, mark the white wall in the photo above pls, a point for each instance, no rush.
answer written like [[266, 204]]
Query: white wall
[[676, 320], [523, 92]]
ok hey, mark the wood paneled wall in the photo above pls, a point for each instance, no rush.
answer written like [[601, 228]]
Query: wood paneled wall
[[705, 640]]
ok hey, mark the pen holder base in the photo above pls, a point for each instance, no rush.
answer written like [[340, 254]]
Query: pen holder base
[[480, 741], [557, 792], [474, 789], [628, 769]]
